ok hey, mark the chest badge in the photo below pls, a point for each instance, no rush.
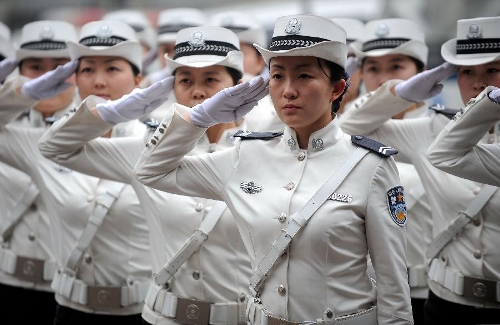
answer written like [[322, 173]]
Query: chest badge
[[250, 187], [397, 205], [341, 197]]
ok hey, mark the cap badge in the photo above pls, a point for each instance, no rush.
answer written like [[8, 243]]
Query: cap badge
[[104, 31], [197, 39], [382, 30], [293, 27], [47, 33], [474, 31]]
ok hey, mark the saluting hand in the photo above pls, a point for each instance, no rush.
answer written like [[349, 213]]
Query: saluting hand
[[494, 95], [138, 103], [6, 67], [426, 84], [230, 104], [50, 83]]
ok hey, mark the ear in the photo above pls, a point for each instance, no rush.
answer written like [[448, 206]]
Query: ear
[[337, 90], [137, 79]]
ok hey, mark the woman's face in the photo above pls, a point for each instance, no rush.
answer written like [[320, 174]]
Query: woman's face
[[302, 92], [472, 80], [35, 67], [375, 71], [253, 63], [105, 76], [193, 85]]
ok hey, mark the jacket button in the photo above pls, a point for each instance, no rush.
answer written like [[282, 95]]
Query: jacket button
[[31, 236], [282, 217], [90, 198], [196, 275], [290, 186], [243, 297], [476, 190], [87, 258], [199, 207], [284, 255], [302, 156], [476, 221], [478, 254], [281, 290]]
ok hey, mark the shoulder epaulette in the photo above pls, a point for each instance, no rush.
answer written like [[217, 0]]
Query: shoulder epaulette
[[440, 109], [51, 119], [373, 145], [249, 135], [151, 123]]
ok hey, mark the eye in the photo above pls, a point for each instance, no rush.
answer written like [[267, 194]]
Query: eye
[[184, 81], [305, 76], [465, 71], [85, 70], [211, 79], [371, 69], [493, 70], [113, 68], [276, 76]]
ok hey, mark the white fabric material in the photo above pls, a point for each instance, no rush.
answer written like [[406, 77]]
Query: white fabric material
[[229, 104], [300, 219], [426, 84], [165, 302], [191, 245], [461, 221], [136, 104], [8, 262], [7, 66], [50, 83], [417, 276]]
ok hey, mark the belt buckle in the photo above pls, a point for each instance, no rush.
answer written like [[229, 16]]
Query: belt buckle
[[29, 269], [104, 296], [272, 320], [480, 289], [191, 311]]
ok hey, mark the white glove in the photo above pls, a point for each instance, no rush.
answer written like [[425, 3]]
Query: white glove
[[50, 83], [494, 95], [426, 84], [352, 65], [230, 104], [7, 65], [138, 103]]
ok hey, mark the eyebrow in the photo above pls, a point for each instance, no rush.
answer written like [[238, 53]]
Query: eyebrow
[[298, 67], [372, 60], [93, 61], [188, 73]]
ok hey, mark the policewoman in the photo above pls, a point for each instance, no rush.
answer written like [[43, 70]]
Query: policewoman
[[463, 269], [98, 228], [7, 61], [207, 273], [27, 261], [468, 146], [321, 276], [395, 48]]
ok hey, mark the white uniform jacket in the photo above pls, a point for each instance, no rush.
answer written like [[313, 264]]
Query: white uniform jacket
[[458, 151], [219, 271], [30, 237], [326, 265], [119, 253], [475, 251]]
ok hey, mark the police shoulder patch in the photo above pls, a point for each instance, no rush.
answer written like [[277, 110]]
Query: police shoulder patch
[[397, 205], [373, 145], [151, 123], [249, 135], [440, 109]]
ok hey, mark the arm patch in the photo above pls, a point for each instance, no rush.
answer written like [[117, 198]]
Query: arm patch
[[248, 135], [373, 145]]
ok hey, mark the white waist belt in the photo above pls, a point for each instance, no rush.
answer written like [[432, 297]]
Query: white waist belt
[[193, 311], [26, 268], [417, 276], [467, 286], [258, 315], [98, 296]]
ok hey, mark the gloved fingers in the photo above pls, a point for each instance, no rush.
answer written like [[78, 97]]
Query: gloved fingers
[[494, 95], [257, 94], [62, 87], [441, 72], [236, 91], [256, 86], [65, 71]]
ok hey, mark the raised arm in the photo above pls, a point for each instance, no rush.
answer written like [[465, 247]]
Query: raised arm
[[456, 149]]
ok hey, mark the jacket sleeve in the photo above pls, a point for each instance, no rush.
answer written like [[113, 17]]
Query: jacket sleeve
[[12, 104], [456, 149], [74, 141], [386, 238], [164, 163]]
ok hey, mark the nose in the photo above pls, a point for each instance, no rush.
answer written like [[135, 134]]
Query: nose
[[479, 83], [289, 90], [100, 80], [199, 93]]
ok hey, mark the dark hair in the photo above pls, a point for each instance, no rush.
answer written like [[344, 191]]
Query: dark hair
[[135, 69], [235, 75], [418, 64], [337, 73]]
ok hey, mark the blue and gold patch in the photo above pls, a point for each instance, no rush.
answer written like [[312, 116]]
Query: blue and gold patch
[[397, 205]]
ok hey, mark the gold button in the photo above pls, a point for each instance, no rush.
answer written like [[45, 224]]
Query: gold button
[[478, 254], [282, 217], [87, 258], [31, 236], [199, 207], [196, 275], [302, 156], [281, 290]]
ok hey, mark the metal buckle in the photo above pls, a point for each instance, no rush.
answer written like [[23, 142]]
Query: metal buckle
[[271, 320], [104, 296], [480, 289], [29, 269], [191, 311]]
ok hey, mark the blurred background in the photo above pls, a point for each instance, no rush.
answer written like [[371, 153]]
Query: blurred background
[[436, 17]]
